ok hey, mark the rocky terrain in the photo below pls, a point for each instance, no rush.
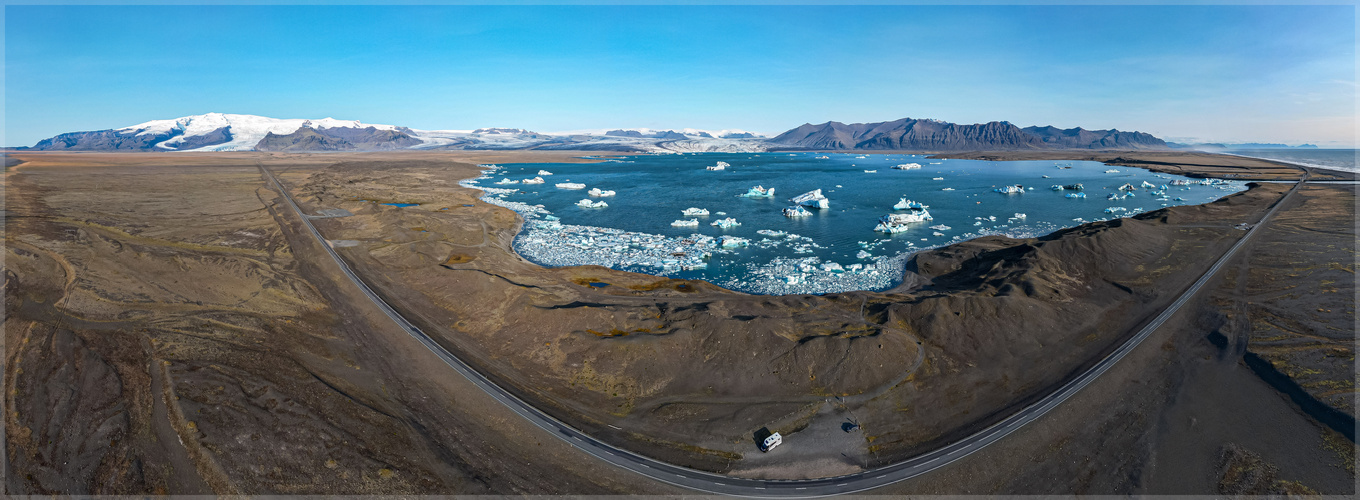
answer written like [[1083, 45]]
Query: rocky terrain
[[338, 139], [168, 332]]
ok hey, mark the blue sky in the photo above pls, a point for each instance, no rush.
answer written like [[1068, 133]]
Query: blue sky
[[1215, 73]]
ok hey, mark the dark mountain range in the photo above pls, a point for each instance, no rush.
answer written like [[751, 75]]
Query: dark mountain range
[[1080, 138], [935, 135], [338, 139], [229, 132], [103, 140]]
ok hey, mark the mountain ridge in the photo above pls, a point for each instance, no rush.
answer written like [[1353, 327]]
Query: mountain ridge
[[232, 132]]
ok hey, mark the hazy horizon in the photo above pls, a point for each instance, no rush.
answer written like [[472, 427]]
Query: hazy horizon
[[1226, 74]]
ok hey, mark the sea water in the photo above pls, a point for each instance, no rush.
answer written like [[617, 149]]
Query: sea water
[[835, 249], [1336, 159]]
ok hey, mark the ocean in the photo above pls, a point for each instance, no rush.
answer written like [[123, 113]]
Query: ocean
[[833, 250], [1339, 159]]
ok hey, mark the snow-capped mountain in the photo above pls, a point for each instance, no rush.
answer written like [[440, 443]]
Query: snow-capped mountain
[[242, 132], [231, 132], [227, 132]]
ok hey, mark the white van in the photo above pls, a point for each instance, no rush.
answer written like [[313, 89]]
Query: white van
[[770, 442]]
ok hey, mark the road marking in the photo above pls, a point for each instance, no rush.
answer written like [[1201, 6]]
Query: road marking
[[881, 477]]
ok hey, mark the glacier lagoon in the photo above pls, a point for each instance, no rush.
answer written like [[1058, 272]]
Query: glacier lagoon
[[835, 249]]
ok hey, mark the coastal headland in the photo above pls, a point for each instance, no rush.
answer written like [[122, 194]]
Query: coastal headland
[[158, 299]]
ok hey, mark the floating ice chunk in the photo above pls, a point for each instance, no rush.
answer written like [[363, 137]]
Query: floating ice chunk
[[686, 223], [725, 223], [733, 242], [535, 180], [600, 192], [588, 203], [570, 185], [863, 255], [759, 192], [544, 172]]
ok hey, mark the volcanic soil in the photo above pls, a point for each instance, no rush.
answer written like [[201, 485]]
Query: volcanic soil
[[156, 300]]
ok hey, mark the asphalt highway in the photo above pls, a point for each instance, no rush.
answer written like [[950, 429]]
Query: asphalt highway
[[803, 488]]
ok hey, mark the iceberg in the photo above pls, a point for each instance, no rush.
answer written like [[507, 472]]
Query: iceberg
[[722, 165], [570, 185], [760, 192], [1016, 189], [941, 227], [599, 192], [863, 255], [813, 199], [904, 204], [535, 180], [1075, 195], [694, 212], [686, 223], [896, 223], [796, 211], [907, 166], [544, 172], [587, 203], [507, 181], [725, 223], [733, 241]]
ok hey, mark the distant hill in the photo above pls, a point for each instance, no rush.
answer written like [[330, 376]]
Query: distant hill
[[229, 132], [1080, 138], [935, 135], [1240, 145], [338, 139]]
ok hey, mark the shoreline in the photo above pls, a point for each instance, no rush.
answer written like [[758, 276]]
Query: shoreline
[[1330, 170]]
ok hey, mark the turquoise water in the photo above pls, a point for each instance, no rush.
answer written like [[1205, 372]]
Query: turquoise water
[[634, 232]]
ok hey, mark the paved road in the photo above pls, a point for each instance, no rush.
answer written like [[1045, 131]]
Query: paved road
[[719, 484]]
